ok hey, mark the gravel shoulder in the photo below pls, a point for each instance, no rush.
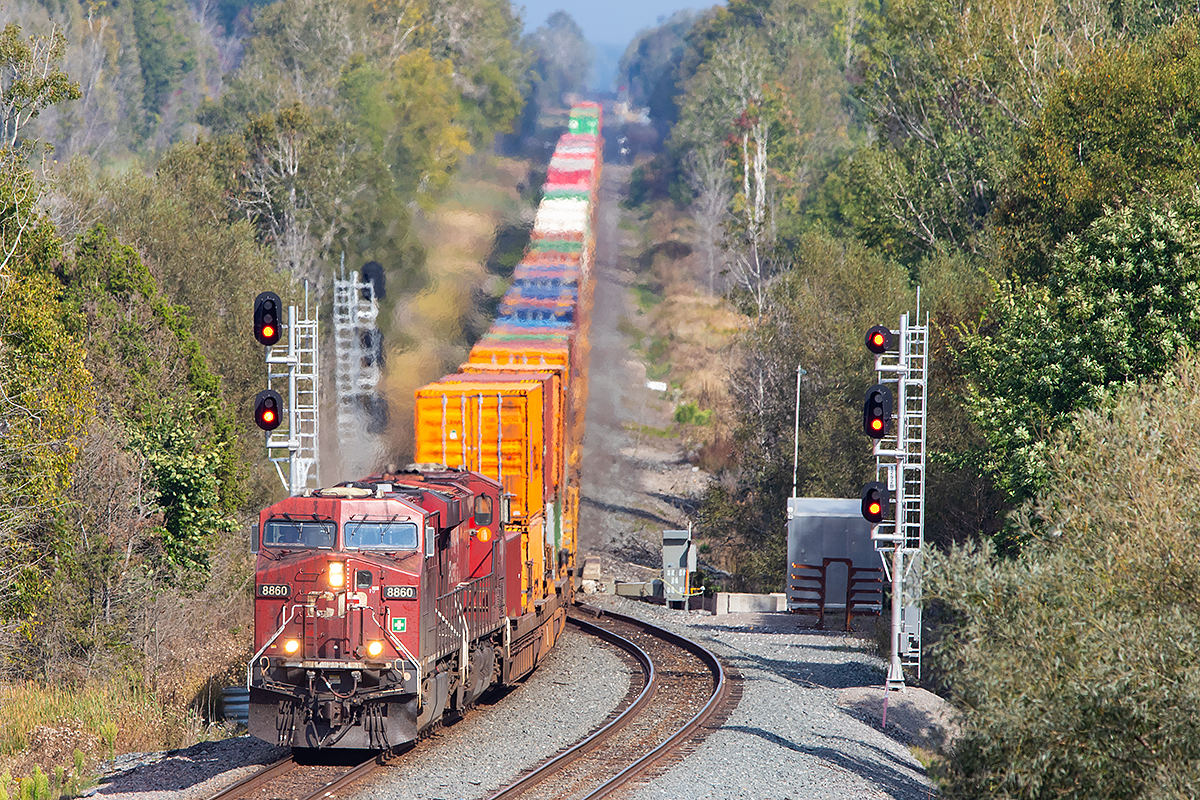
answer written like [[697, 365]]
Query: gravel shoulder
[[808, 724]]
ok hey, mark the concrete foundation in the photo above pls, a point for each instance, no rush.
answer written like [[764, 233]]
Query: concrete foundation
[[740, 602]]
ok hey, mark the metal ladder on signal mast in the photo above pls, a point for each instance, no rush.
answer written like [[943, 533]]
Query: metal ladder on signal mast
[[301, 441], [900, 461]]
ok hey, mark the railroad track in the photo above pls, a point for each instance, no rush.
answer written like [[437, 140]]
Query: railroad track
[[288, 779], [686, 692]]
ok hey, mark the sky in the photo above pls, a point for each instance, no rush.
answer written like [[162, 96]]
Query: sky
[[607, 22]]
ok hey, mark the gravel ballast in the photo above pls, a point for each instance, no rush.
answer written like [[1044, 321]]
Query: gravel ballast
[[802, 728], [569, 695], [807, 725]]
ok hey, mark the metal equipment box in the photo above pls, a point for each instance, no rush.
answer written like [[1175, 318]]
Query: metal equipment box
[[821, 528], [679, 561]]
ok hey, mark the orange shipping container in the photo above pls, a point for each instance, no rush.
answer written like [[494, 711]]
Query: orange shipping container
[[496, 427]]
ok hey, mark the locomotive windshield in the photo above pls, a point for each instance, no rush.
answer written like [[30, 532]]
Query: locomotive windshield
[[366, 535], [299, 534]]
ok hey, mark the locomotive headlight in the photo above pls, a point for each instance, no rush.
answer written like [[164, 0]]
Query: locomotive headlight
[[374, 649], [291, 646], [337, 574]]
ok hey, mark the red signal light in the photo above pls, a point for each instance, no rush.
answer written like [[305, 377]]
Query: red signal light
[[877, 411], [267, 310], [876, 498], [880, 339], [268, 407]]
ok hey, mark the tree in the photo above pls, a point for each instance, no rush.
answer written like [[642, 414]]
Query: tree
[[814, 319], [563, 59], [1117, 307], [31, 79], [708, 178], [46, 399], [1102, 601], [948, 84], [650, 68], [1119, 128], [164, 53]]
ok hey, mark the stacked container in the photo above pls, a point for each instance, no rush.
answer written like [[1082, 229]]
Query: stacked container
[[515, 410]]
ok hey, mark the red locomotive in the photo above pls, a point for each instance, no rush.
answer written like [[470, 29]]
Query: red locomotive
[[382, 605]]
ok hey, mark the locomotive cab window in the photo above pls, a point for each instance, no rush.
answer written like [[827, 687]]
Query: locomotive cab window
[[483, 510], [299, 534], [366, 535]]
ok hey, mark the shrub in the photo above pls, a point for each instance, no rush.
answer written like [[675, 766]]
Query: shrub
[[1075, 664]]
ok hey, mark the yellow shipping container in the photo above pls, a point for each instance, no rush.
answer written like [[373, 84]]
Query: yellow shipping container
[[495, 427]]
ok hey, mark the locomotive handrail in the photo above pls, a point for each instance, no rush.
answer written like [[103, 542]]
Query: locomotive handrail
[[263, 649]]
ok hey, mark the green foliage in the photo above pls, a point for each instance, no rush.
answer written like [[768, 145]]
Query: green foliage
[[375, 112], [157, 383], [46, 397], [1074, 664], [185, 468], [1118, 305], [690, 413], [814, 319], [164, 53], [31, 79], [1119, 128], [651, 66], [948, 85], [563, 59]]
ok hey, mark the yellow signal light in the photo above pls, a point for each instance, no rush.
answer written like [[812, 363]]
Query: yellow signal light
[[484, 534]]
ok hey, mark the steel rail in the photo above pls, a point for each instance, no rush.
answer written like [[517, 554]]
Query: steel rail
[[251, 782], [718, 698], [595, 739], [353, 775]]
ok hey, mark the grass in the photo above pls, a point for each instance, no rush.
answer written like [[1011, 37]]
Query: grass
[[94, 710], [52, 734], [647, 296], [649, 430]]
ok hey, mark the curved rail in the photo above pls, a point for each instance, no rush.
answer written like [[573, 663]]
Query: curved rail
[[719, 696], [284, 767], [261, 778], [597, 737], [675, 740]]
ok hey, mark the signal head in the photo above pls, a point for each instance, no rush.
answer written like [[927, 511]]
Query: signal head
[[880, 339], [268, 322], [268, 409], [876, 501], [877, 411]]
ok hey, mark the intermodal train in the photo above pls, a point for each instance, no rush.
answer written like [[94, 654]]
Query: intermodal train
[[384, 604]]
